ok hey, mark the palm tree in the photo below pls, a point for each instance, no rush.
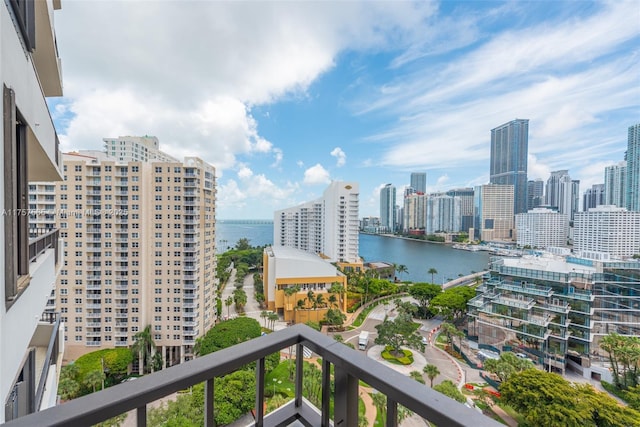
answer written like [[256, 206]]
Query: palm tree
[[94, 379], [431, 371], [432, 271], [144, 347], [311, 297], [273, 318], [337, 289], [228, 303], [416, 375], [402, 269], [333, 300], [264, 315], [320, 302]]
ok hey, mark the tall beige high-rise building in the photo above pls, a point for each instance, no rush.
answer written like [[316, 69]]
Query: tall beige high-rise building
[[139, 241], [493, 212]]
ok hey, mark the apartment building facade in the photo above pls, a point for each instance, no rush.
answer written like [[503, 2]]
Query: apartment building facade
[[542, 228], [328, 226], [557, 309], [139, 238], [607, 229], [30, 342]]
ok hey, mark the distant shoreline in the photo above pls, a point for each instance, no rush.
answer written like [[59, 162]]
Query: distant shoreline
[[395, 236]]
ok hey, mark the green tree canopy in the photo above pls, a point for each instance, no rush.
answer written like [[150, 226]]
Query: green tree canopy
[[401, 331], [449, 389], [507, 365], [624, 356], [226, 334], [423, 293], [548, 400], [233, 396], [452, 303]]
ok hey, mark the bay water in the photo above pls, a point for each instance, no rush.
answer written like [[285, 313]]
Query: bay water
[[418, 256]]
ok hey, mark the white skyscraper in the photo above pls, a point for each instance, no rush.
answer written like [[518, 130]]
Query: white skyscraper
[[327, 226], [542, 228], [609, 229], [558, 192], [442, 214], [388, 208]]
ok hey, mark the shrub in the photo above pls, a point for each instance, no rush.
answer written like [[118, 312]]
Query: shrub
[[406, 359]]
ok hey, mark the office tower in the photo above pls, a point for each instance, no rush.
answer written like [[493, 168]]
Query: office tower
[[608, 229], [140, 250], [632, 156], [535, 193], [493, 212], [594, 196], [30, 260], [615, 185], [558, 192], [542, 228], [414, 213], [327, 226], [466, 206], [509, 149], [419, 182], [442, 214], [388, 208]]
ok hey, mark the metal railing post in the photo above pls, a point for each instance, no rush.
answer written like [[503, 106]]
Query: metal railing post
[[209, 420], [326, 392], [345, 399], [260, 392], [141, 416], [299, 365], [392, 413]]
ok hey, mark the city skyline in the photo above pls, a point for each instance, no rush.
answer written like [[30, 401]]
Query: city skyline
[[367, 92]]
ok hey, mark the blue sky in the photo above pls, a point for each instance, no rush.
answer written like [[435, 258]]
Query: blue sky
[[283, 97]]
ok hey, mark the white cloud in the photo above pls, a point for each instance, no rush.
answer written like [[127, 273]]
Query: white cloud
[[341, 157], [277, 157], [316, 175], [566, 77]]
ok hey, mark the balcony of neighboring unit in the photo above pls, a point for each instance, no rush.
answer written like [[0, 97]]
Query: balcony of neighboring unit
[[189, 286], [93, 220], [345, 367], [121, 334], [93, 343], [94, 315], [515, 301], [556, 306], [580, 295], [121, 315], [93, 324], [93, 334], [526, 288], [94, 267], [121, 343]]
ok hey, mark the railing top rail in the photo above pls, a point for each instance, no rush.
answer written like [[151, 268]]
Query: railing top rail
[[122, 398]]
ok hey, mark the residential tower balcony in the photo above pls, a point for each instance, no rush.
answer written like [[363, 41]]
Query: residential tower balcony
[[349, 368]]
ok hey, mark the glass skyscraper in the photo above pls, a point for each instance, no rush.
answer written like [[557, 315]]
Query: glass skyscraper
[[419, 182], [633, 168], [509, 149]]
